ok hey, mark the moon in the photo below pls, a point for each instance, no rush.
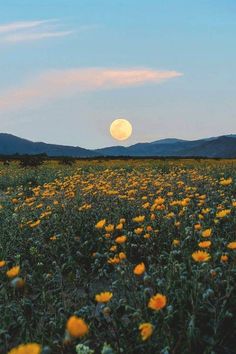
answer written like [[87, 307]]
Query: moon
[[121, 129]]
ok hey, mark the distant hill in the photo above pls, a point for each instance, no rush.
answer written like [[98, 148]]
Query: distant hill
[[167, 141], [11, 144], [222, 147]]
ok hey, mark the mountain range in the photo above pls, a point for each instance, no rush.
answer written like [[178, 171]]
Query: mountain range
[[215, 147]]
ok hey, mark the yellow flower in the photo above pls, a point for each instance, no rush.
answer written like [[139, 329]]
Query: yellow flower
[[34, 224], [146, 330], [13, 272], [204, 244], [159, 201], [2, 263], [53, 238], [122, 255], [14, 201], [113, 248], [120, 239], [232, 245], [197, 227], [30, 348], [222, 213], [139, 269], [226, 182], [100, 224], [119, 226], [201, 256], [104, 297], [157, 302], [224, 258], [146, 205], [206, 211], [76, 327], [109, 228], [175, 242], [138, 231], [170, 215], [114, 260], [139, 218], [207, 233]]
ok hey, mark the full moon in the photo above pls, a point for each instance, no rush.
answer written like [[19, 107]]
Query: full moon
[[121, 129]]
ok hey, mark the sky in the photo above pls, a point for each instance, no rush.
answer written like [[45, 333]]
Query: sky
[[68, 68]]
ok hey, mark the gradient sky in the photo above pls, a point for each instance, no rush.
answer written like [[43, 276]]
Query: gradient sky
[[68, 68]]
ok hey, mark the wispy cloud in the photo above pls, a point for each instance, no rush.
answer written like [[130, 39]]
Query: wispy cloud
[[21, 25], [56, 84], [31, 31], [35, 36]]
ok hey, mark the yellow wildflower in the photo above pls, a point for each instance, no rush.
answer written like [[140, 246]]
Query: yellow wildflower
[[207, 233], [120, 239], [146, 330], [13, 272], [122, 255], [139, 269], [76, 327], [197, 227], [222, 213], [226, 182], [119, 226], [104, 297], [30, 348], [114, 260], [139, 218], [34, 224], [157, 302], [138, 231], [204, 244], [175, 242], [100, 224], [2, 263], [232, 245], [113, 248], [201, 256], [109, 228], [224, 258]]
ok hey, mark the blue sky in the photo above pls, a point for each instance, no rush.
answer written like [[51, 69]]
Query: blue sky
[[68, 68]]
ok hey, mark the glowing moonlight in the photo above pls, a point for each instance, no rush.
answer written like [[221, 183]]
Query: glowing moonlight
[[121, 129]]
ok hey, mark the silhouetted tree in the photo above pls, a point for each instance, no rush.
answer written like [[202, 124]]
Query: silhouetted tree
[[32, 161]]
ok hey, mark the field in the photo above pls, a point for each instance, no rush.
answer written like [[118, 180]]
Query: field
[[134, 256]]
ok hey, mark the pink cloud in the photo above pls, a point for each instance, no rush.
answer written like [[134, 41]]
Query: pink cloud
[[55, 84]]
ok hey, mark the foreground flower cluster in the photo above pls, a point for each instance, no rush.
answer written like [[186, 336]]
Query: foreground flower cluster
[[118, 257]]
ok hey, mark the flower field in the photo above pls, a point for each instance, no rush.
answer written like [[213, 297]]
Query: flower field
[[133, 256]]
